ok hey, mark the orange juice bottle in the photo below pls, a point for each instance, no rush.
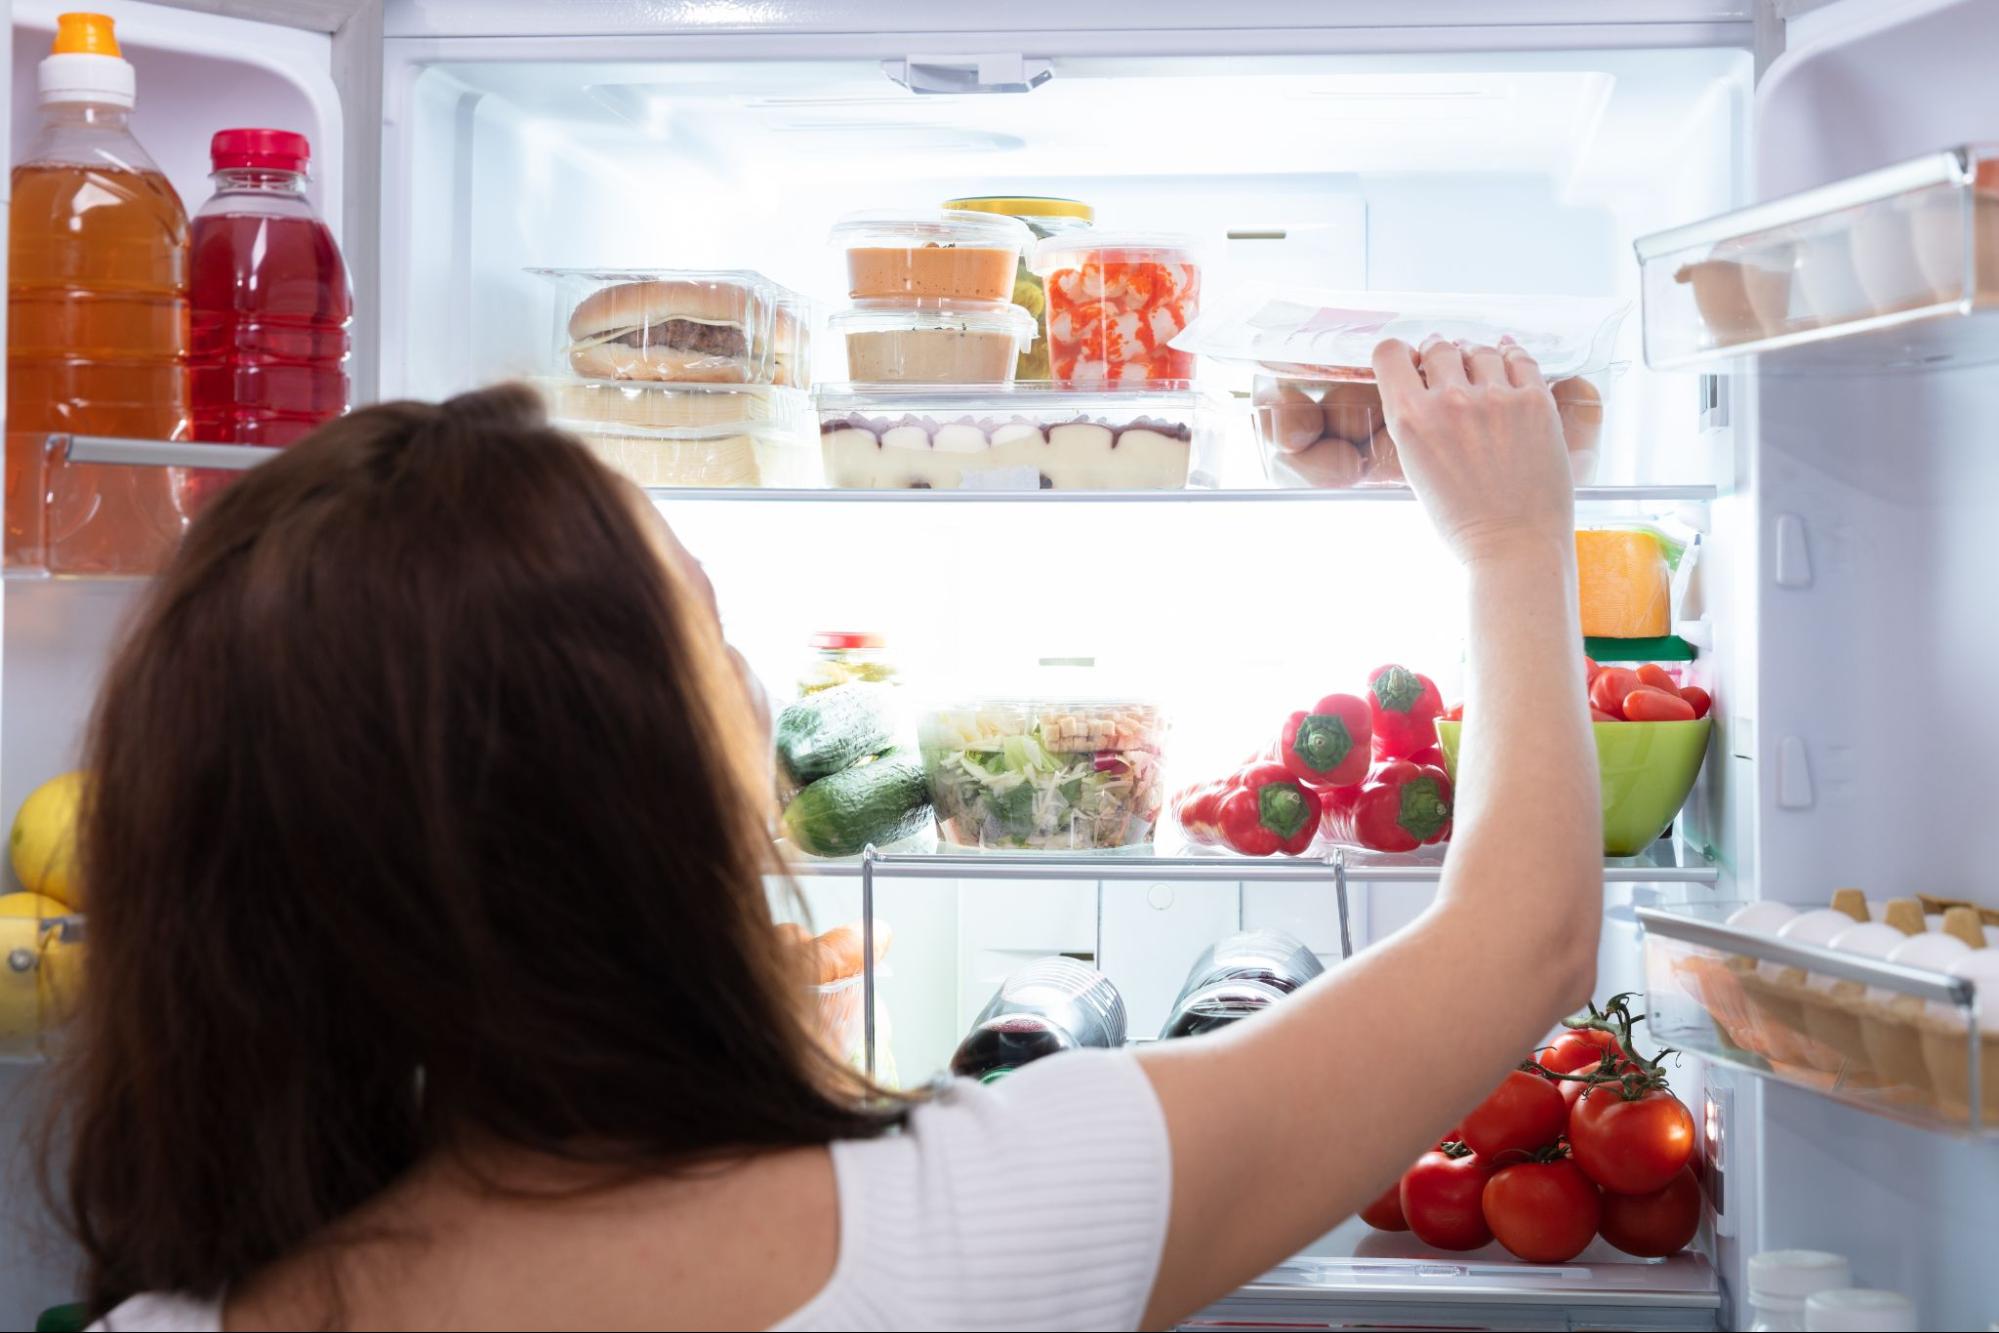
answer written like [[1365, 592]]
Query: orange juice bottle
[[97, 318]]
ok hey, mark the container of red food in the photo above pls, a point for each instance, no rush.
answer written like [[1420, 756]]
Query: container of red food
[[1116, 300]]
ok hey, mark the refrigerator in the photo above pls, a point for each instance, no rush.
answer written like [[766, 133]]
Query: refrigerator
[[1831, 477]]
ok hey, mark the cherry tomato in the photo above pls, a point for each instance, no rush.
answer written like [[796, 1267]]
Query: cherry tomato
[[1701, 700], [1654, 1225], [1650, 705], [1523, 1113], [1607, 691], [1385, 1213], [1543, 1212], [1630, 1146], [1575, 1049], [1440, 1200], [1656, 676]]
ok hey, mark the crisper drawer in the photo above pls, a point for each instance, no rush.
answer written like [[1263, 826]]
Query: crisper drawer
[[1357, 1278]]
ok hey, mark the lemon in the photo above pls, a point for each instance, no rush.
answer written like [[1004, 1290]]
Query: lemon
[[38, 970], [43, 844]]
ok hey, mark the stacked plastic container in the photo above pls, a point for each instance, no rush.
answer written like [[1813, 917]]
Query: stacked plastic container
[[680, 377]]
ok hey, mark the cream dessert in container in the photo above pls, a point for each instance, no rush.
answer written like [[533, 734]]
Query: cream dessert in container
[[1024, 438], [933, 340], [936, 253], [732, 455]]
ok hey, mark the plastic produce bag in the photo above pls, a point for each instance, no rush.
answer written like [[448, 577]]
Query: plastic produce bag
[[1332, 334]]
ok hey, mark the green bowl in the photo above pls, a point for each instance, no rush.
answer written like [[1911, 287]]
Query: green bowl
[[1647, 770]]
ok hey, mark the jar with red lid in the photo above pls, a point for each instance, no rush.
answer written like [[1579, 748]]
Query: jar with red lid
[[838, 657]]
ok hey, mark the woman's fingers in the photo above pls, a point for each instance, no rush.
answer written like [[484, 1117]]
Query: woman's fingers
[[1522, 370], [1397, 372], [1484, 364], [1443, 363]]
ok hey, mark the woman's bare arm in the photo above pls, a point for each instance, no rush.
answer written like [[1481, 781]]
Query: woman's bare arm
[[1283, 1126]]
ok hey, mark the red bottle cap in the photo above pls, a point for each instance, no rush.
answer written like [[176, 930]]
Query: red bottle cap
[[268, 150], [837, 640]]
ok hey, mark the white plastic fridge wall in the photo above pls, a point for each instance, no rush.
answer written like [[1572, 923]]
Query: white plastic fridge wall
[[197, 73], [1875, 628]]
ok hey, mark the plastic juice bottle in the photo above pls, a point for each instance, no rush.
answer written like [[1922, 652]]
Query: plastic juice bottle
[[271, 303], [97, 318]]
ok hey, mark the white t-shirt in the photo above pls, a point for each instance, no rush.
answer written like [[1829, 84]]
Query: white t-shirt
[[1038, 1202]]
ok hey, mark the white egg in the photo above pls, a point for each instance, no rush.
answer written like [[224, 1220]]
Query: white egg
[[1979, 966], [1815, 927], [1932, 951], [1870, 939], [1764, 918]]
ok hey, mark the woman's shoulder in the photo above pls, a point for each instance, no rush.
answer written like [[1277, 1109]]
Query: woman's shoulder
[[161, 1312], [1038, 1201]]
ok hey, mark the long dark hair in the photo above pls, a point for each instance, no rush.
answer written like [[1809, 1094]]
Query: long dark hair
[[426, 803]]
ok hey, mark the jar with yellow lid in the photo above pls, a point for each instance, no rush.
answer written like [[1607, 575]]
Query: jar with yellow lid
[[1044, 217]]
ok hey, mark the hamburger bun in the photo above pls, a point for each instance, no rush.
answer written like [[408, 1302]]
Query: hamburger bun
[[617, 310]]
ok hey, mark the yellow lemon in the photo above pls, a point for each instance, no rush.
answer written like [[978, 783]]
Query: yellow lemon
[[43, 844], [38, 970]]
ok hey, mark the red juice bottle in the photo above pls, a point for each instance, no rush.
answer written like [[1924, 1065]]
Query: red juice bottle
[[268, 355]]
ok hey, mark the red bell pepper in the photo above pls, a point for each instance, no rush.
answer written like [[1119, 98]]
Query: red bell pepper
[[1327, 746], [1199, 811], [1399, 808], [1404, 706], [1267, 810]]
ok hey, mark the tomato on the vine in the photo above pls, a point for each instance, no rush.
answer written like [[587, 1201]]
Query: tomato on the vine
[[1440, 1199], [1525, 1112], [1543, 1212], [1654, 1225], [1577, 1049], [1630, 1145], [1385, 1213]]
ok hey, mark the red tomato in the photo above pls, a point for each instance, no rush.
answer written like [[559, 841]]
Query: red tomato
[[1440, 1199], [1590, 668], [1385, 1213], [1630, 1146], [1576, 1048], [1543, 1212], [1650, 705], [1654, 1225], [1701, 700], [1607, 691], [1658, 678], [1524, 1112]]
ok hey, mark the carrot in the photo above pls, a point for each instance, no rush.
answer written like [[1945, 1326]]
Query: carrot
[[1650, 705], [1655, 675]]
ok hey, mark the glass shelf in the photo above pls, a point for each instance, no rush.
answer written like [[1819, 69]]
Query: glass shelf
[[1898, 1041], [1170, 862], [1356, 1277], [1894, 270]]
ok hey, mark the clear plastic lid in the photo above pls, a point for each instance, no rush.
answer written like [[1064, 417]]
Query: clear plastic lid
[[1064, 702], [1792, 1275], [675, 325], [657, 405], [927, 227], [1334, 333], [927, 313], [1071, 249]]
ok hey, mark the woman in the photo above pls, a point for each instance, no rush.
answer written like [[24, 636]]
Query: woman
[[433, 981]]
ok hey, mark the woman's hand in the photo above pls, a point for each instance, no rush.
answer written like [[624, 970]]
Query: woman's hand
[[1480, 442]]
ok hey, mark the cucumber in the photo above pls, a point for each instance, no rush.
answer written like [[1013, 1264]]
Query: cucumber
[[834, 729], [880, 801]]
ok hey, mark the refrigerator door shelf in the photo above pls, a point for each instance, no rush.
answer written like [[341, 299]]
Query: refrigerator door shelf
[[1897, 1040], [1892, 270], [1359, 1278]]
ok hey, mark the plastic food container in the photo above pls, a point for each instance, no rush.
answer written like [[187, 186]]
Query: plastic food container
[[933, 340], [594, 404], [1647, 770], [737, 454], [1044, 217], [1116, 301], [677, 325], [940, 253], [843, 657], [967, 437], [1328, 432], [1045, 771]]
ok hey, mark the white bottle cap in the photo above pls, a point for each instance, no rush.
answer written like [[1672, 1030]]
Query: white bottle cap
[[1856, 1310], [86, 65], [1787, 1277]]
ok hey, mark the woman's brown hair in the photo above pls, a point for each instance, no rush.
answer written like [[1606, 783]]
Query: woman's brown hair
[[426, 804]]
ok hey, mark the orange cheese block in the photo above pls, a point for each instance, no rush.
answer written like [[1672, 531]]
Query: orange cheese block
[[1626, 587]]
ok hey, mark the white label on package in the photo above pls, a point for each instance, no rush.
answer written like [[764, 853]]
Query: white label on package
[[1000, 479]]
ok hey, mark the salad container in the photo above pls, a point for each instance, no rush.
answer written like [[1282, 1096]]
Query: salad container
[[1115, 302], [1047, 771], [939, 253], [932, 340]]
